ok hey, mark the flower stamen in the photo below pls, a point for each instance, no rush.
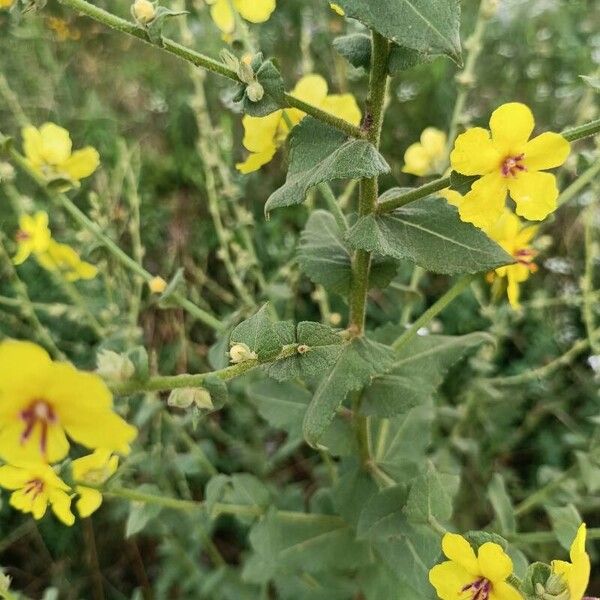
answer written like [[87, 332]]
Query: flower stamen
[[34, 487], [39, 411], [480, 589], [513, 165]]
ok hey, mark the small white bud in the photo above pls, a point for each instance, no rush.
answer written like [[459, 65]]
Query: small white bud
[[186, 397], [143, 11], [255, 91], [241, 353], [114, 367]]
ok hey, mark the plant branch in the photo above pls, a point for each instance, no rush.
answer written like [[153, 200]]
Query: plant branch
[[456, 290], [200, 60]]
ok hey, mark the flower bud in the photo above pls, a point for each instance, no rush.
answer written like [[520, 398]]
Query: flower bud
[[255, 91], [555, 588], [186, 397], [143, 11], [241, 353], [246, 72], [114, 367], [157, 285]]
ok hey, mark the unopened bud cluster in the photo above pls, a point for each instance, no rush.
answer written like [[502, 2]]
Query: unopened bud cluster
[[114, 367], [245, 72], [240, 353], [143, 11]]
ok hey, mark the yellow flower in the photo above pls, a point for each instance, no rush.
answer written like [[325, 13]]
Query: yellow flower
[[508, 162], [337, 8], [62, 259], [93, 469], [577, 572], [35, 486], [33, 236], [41, 402], [6, 3], [48, 151], [255, 11], [510, 233], [157, 285], [428, 156], [469, 577], [62, 29], [264, 135]]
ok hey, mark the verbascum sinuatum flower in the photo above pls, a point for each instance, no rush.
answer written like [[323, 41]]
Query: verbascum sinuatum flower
[[264, 135], [35, 486], [507, 161], [94, 469], [49, 152], [42, 402], [515, 237], [470, 576], [577, 572], [337, 8], [428, 156], [254, 11], [35, 238]]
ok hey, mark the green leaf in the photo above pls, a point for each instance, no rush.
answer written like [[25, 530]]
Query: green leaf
[[269, 77], [259, 334], [537, 575], [282, 405], [358, 361], [590, 472], [155, 27], [462, 183], [502, 504], [592, 80], [356, 49], [402, 442], [411, 556], [239, 488], [428, 500], [565, 523], [320, 347], [319, 153], [327, 260], [429, 233], [383, 516], [353, 490], [418, 370], [422, 25], [306, 545]]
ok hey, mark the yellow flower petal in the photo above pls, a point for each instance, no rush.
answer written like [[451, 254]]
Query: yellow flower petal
[[494, 564], [504, 591], [448, 579], [434, 141], [511, 125], [32, 145], [452, 197], [335, 7], [61, 506], [56, 144], [89, 501], [416, 160], [546, 151], [343, 106], [95, 468], [223, 16], [458, 549], [260, 132], [255, 11], [256, 160], [484, 204], [12, 478], [311, 89], [82, 163], [474, 153], [535, 194]]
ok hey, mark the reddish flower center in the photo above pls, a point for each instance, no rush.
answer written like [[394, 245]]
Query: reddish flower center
[[525, 257], [34, 487], [39, 411], [480, 589], [22, 236], [512, 165]]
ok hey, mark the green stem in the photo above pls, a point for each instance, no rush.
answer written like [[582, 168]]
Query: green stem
[[198, 59], [86, 223], [219, 508], [543, 537], [163, 383], [584, 179], [456, 290], [572, 134]]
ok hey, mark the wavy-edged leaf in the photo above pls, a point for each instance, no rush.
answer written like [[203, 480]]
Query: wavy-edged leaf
[[429, 26], [430, 233], [319, 153]]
